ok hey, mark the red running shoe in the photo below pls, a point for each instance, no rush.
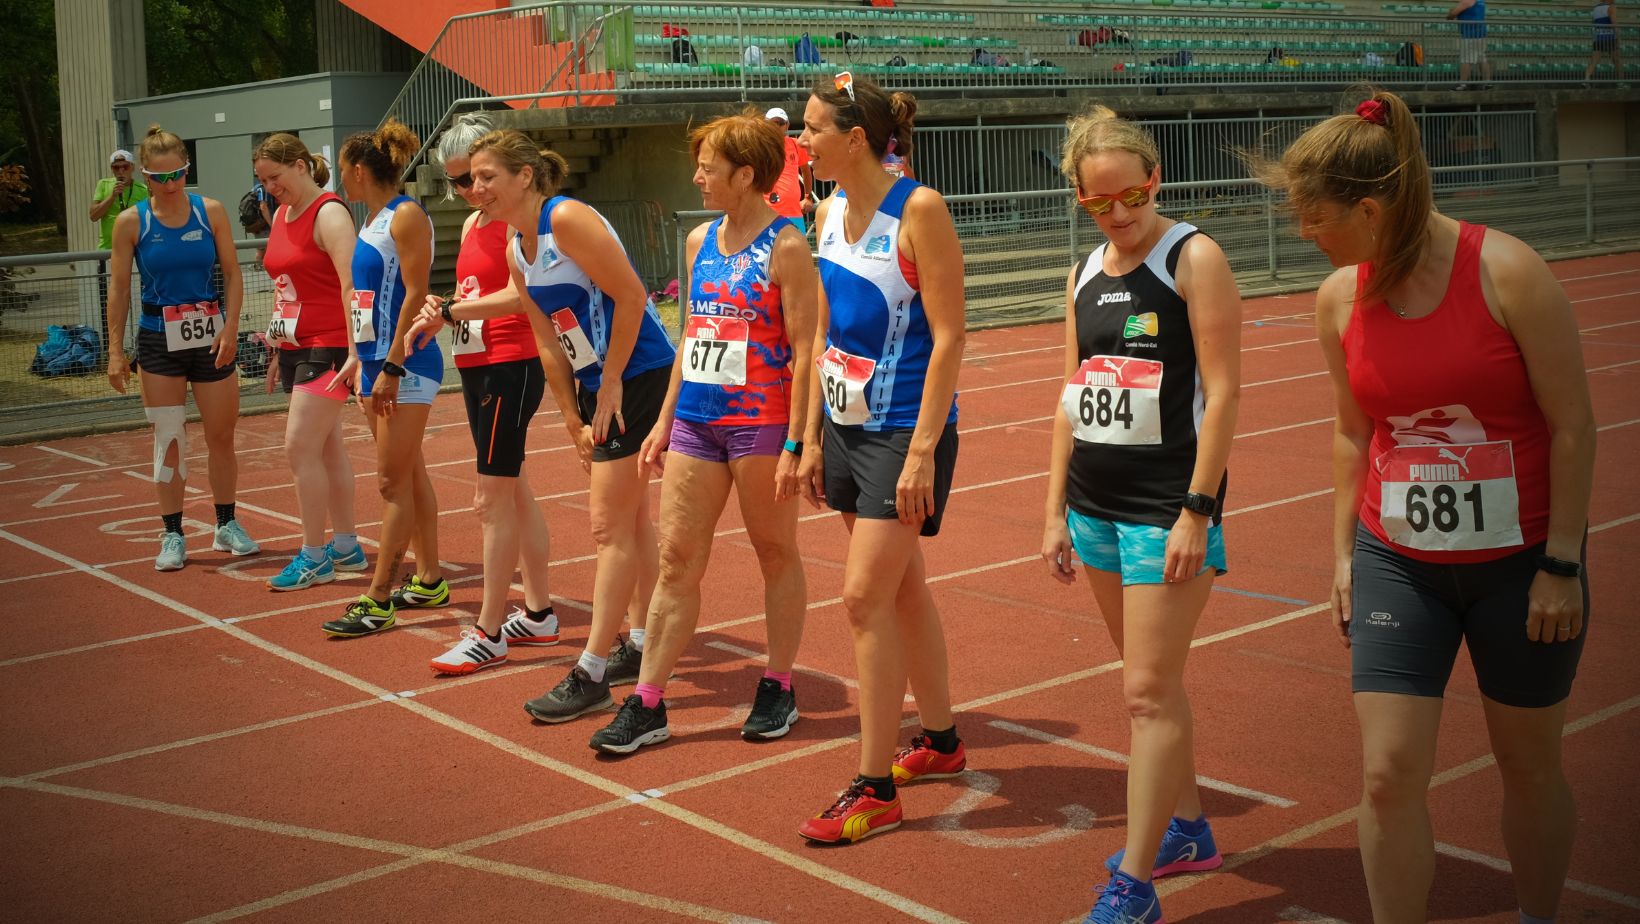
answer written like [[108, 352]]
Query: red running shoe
[[856, 814], [921, 762]]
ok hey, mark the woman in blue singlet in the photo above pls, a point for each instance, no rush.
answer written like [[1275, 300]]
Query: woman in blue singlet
[[188, 333], [1607, 41]]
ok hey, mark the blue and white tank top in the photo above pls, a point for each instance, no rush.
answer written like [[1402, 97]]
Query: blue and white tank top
[[1602, 15], [877, 340], [378, 291], [176, 263], [737, 354], [580, 312], [1472, 21]]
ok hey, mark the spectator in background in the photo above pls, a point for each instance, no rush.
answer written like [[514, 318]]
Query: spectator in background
[[114, 194], [1604, 14], [793, 193], [1471, 17]]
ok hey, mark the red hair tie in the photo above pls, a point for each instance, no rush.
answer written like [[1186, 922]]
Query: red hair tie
[[1373, 111]]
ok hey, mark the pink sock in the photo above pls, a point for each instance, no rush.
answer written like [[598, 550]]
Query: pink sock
[[650, 694], [785, 679]]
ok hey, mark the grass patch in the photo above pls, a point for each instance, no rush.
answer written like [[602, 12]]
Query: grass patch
[[42, 237]]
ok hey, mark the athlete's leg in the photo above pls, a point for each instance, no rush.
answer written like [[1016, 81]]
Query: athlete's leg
[[693, 493], [923, 640], [219, 414], [1398, 733], [1538, 815], [772, 529], [879, 553], [534, 544], [319, 465], [165, 397], [398, 449], [496, 498]]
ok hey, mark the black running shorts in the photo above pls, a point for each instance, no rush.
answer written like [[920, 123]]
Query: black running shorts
[[195, 365], [641, 400], [1407, 618], [304, 364], [862, 471], [501, 400]]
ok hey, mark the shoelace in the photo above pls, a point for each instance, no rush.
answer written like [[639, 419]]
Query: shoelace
[[918, 743], [626, 721], [845, 800], [473, 634], [768, 697]]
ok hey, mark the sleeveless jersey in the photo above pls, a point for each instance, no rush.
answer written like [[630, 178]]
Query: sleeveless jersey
[[378, 291], [786, 198], [1135, 402], [737, 357], [1472, 21], [303, 275], [1458, 466], [877, 342], [580, 312], [176, 263], [1601, 13], [481, 269]]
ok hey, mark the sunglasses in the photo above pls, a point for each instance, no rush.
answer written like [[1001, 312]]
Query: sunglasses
[[1132, 197], [465, 181], [168, 175], [845, 82]]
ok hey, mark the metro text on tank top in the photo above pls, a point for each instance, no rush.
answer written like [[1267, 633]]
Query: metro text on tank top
[[1135, 403], [379, 277], [580, 312], [876, 319], [176, 264], [730, 296]]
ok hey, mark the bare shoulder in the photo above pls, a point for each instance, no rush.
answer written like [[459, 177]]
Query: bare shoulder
[[1335, 299], [1509, 261], [925, 203]]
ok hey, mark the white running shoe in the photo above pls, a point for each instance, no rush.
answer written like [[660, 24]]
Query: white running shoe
[[231, 537], [173, 553], [520, 629], [473, 653]]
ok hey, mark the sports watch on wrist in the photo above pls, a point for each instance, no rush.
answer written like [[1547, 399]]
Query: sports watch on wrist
[[444, 311], [393, 369], [794, 446], [1205, 504], [1559, 567]]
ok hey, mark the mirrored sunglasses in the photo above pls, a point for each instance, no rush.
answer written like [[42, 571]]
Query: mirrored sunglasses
[[1132, 197], [845, 81], [168, 175]]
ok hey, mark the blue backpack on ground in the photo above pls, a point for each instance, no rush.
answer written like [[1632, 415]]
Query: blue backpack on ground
[[72, 350], [804, 52]]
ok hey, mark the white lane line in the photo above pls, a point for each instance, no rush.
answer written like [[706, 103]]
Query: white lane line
[[1622, 272], [1206, 782], [71, 455], [1291, 426], [1277, 503], [1628, 362], [1609, 524], [1587, 330], [1622, 423], [1502, 866], [1285, 378]]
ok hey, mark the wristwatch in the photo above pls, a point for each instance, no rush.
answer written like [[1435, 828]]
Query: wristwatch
[[1559, 567], [794, 446], [393, 369], [444, 311], [1205, 504]]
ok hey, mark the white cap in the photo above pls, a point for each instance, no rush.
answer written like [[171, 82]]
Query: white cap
[[119, 155], [777, 113]]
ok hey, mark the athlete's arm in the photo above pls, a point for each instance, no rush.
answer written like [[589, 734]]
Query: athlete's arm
[[582, 237], [1056, 538], [1352, 434], [660, 435], [333, 232], [791, 267], [226, 344], [1536, 312], [929, 242], [559, 373], [811, 471], [412, 233], [494, 305], [119, 297]]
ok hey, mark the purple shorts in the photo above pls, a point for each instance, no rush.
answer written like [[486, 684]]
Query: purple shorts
[[724, 443]]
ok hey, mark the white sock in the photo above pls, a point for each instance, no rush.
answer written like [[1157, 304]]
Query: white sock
[[637, 636], [593, 665], [345, 543], [314, 553]]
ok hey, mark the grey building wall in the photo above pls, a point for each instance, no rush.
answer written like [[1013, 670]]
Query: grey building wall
[[100, 59]]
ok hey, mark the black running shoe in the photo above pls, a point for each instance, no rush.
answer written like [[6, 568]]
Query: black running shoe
[[576, 695], [773, 712], [624, 662], [635, 726]]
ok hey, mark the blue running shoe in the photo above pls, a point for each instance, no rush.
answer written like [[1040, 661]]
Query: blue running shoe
[[352, 561], [1126, 900], [1179, 853], [302, 573]]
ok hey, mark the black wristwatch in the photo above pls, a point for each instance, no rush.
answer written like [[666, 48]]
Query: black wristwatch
[[1205, 504], [1559, 567], [393, 369], [444, 311]]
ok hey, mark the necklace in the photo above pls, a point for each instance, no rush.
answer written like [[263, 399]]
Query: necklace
[[1400, 310]]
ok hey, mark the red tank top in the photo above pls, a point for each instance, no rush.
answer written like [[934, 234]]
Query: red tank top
[[1458, 467], [786, 198], [302, 273], [482, 269]]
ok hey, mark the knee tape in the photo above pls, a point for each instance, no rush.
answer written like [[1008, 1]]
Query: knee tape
[[170, 426]]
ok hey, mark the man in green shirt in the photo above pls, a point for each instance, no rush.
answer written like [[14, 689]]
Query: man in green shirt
[[114, 195]]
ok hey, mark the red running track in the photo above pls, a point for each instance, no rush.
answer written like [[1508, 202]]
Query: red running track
[[189, 746]]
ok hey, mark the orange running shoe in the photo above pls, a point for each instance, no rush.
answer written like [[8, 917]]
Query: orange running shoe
[[856, 814], [921, 762]]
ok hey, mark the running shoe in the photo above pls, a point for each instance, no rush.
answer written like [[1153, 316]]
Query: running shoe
[[520, 629], [1126, 900], [576, 695], [635, 726], [173, 553], [352, 561], [1179, 853], [231, 537], [473, 653], [921, 762], [364, 616], [625, 660], [413, 593], [302, 573], [856, 814], [773, 712]]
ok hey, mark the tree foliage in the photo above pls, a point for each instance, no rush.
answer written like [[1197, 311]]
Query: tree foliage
[[194, 44], [30, 133]]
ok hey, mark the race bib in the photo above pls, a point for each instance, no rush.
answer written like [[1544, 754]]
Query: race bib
[[1115, 400], [844, 378], [573, 339], [468, 337], [1450, 498], [191, 326], [363, 313], [714, 350], [282, 325]]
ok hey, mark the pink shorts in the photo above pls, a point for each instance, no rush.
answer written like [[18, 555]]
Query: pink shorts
[[319, 384], [726, 442]]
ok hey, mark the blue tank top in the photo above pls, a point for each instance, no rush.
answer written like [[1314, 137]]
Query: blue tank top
[[1472, 21], [378, 277], [579, 310], [731, 300], [877, 342], [176, 263]]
